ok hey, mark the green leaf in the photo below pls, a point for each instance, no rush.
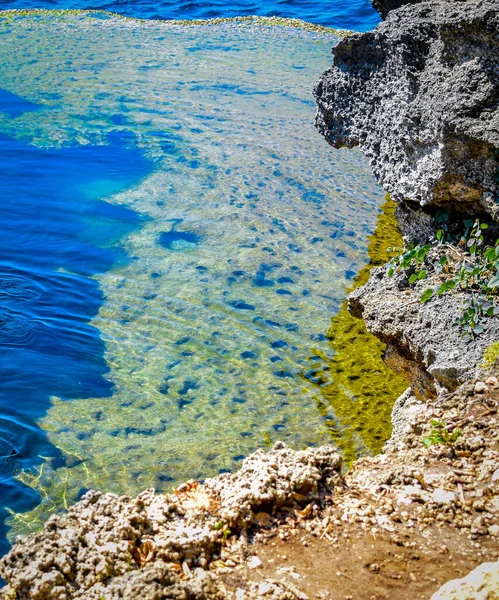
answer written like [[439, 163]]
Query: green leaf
[[490, 253], [413, 278], [426, 295], [440, 235], [444, 260], [478, 329], [422, 274], [484, 226], [390, 272], [446, 286], [427, 441]]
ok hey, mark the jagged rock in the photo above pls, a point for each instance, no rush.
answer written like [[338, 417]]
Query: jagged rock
[[406, 407], [481, 584], [420, 96], [273, 478], [424, 336], [385, 6], [156, 546]]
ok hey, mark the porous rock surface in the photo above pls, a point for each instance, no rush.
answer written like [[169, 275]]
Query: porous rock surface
[[385, 6], [427, 343], [160, 546], [420, 96], [481, 584]]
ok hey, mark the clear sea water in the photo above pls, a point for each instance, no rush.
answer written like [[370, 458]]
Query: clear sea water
[[354, 14], [174, 239]]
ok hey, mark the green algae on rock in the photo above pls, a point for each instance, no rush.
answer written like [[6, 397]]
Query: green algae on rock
[[357, 388], [9, 15]]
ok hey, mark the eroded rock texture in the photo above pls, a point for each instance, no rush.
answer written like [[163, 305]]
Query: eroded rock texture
[[481, 584], [423, 340], [385, 6], [161, 546], [420, 96]]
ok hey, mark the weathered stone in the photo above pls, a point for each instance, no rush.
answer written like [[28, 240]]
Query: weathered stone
[[481, 584], [405, 408], [420, 96], [159, 545], [273, 478], [424, 335], [385, 6]]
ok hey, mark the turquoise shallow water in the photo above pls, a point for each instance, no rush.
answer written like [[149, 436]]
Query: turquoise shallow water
[[175, 239]]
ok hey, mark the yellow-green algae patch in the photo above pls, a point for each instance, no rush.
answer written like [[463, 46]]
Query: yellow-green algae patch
[[205, 338], [491, 355], [357, 388]]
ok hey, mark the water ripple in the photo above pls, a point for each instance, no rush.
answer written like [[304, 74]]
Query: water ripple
[[18, 287], [356, 14], [15, 330]]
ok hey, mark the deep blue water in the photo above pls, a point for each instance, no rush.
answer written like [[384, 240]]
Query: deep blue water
[[354, 14], [47, 298]]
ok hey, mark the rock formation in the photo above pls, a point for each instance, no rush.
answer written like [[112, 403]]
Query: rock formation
[[481, 584], [157, 546], [428, 345], [420, 96], [385, 6]]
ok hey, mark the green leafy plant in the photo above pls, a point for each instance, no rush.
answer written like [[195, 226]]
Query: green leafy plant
[[226, 532], [440, 435], [413, 258], [464, 262]]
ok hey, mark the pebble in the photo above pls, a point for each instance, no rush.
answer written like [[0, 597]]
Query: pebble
[[441, 496], [265, 588], [481, 387], [254, 562]]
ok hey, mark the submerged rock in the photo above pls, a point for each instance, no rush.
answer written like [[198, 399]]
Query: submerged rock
[[420, 96]]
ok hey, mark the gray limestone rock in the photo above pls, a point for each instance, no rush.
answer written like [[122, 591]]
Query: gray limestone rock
[[405, 409], [273, 478], [425, 337], [385, 6], [420, 96]]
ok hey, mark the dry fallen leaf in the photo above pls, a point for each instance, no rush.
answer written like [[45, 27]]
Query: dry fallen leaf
[[306, 511], [194, 496], [144, 553]]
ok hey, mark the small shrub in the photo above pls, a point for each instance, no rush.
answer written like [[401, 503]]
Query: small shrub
[[465, 263], [440, 435]]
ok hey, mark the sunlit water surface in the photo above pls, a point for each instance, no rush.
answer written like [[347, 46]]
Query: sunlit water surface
[[358, 15], [175, 237]]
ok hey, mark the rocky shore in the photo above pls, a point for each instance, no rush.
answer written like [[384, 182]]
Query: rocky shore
[[420, 96], [408, 519]]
